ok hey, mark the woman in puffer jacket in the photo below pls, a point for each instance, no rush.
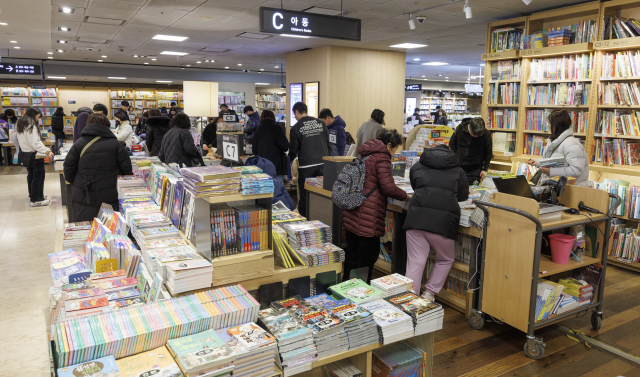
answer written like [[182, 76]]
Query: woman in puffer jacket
[[365, 224], [564, 145], [124, 132]]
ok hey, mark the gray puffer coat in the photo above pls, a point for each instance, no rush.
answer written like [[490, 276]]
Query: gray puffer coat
[[573, 152]]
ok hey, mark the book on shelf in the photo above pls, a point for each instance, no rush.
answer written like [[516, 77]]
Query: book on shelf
[[616, 27], [559, 94], [504, 93], [503, 119], [612, 123], [504, 142], [568, 67], [616, 151], [619, 94], [620, 64], [505, 39], [534, 145]]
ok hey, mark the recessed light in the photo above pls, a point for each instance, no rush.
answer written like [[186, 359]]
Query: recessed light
[[175, 53], [435, 63], [4, 24], [481, 65], [163, 81], [226, 67], [188, 65], [146, 63], [294, 36], [262, 83], [50, 57], [17, 48], [66, 10], [169, 38], [446, 77], [213, 61], [13, 41], [154, 59], [423, 76], [262, 69], [61, 41], [100, 60], [181, 67], [239, 63], [50, 53], [64, 28], [117, 78], [104, 56], [277, 66], [198, 62], [416, 59], [446, 80], [57, 77], [440, 75], [206, 61], [60, 50], [408, 45], [135, 56]]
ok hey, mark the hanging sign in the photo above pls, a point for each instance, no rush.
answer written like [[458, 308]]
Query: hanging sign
[[19, 69], [282, 21]]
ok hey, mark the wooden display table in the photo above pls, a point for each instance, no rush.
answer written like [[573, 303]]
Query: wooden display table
[[5, 150]]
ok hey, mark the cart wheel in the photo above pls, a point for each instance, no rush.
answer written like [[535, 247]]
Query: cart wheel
[[536, 353], [596, 321], [476, 320]]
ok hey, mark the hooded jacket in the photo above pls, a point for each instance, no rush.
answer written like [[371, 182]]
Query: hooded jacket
[[368, 219], [210, 134], [270, 142], [178, 146], [439, 183], [474, 153], [569, 148], [81, 122], [124, 133], [57, 123], [156, 128], [309, 142], [94, 176], [337, 132], [279, 192], [251, 126]]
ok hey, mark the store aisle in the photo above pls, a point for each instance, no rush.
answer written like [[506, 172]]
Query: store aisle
[[26, 236]]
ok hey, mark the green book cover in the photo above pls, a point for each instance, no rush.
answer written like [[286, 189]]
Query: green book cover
[[357, 291], [195, 353]]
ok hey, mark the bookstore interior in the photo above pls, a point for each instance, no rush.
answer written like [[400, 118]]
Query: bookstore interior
[[250, 258]]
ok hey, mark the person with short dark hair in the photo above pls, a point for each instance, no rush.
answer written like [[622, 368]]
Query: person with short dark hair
[[224, 110], [57, 126], [336, 127], [92, 167], [473, 145], [309, 139], [173, 104], [29, 140], [124, 106], [442, 118], [100, 108], [416, 114], [9, 116], [270, 142], [370, 129], [82, 115], [210, 135], [123, 131], [157, 127], [435, 114], [366, 224], [251, 125], [563, 144], [178, 145], [141, 128]]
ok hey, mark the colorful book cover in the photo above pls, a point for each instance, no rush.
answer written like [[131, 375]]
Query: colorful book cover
[[157, 362], [320, 299], [206, 173], [164, 243], [107, 275], [384, 313], [102, 367], [412, 304], [252, 336], [201, 351], [83, 294], [347, 310], [155, 288], [356, 290], [125, 293], [117, 284], [86, 304]]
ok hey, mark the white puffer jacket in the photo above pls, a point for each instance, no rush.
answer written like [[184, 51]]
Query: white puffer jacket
[[124, 132], [573, 152]]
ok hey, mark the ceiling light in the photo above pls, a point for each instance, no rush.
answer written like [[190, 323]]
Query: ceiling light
[[99, 60], [66, 10], [435, 63], [4, 24], [412, 23], [64, 28], [50, 53], [135, 56], [440, 75], [61, 41], [17, 48], [164, 81], [213, 61], [226, 67], [13, 41], [446, 77], [526, 2], [262, 83], [198, 62], [416, 59], [173, 53], [467, 9], [481, 65], [50, 57], [294, 36], [188, 65], [60, 50], [154, 59], [262, 69], [408, 45], [423, 76], [117, 78], [104, 56], [239, 63], [277, 66], [181, 67], [174, 38], [446, 80], [146, 63], [57, 77], [206, 61]]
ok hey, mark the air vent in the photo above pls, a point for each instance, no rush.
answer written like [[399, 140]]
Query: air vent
[[215, 49], [317, 10], [92, 40], [254, 36], [103, 21]]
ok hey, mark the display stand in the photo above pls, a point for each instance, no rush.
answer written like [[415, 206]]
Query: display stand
[[511, 263]]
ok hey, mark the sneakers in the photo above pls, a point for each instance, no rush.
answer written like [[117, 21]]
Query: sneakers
[[428, 296], [41, 203]]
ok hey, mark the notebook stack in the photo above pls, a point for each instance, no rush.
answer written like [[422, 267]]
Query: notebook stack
[[427, 316], [342, 368], [248, 169], [188, 275], [321, 254], [393, 323], [229, 306], [359, 325], [75, 235], [393, 284], [213, 180], [307, 233], [255, 184], [254, 348], [401, 359], [157, 362], [203, 355], [327, 342], [357, 291]]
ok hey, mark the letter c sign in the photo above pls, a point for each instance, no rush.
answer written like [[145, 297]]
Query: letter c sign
[[275, 22]]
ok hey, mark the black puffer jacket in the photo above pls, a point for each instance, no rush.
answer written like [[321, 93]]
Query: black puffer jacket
[[178, 146], [156, 128], [94, 176], [474, 153], [57, 124], [271, 143], [439, 184]]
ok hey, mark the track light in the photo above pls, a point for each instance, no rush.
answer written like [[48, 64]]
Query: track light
[[527, 2], [467, 9], [412, 23]]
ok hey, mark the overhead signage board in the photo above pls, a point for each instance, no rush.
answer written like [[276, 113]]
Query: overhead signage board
[[312, 96], [19, 69], [296, 96], [413, 88], [282, 21]]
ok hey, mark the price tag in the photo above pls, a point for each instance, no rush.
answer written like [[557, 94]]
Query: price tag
[[229, 118]]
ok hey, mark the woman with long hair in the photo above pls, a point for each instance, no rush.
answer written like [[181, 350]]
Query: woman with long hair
[[442, 118], [30, 141]]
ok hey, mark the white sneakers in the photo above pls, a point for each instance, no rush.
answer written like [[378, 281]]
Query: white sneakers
[[41, 203], [428, 296]]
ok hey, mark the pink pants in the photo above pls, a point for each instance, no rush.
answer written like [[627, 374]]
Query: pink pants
[[419, 243]]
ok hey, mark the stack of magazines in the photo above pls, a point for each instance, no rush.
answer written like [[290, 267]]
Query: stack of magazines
[[255, 184], [321, 254], [307, 233], [188, 275], [206, 181], [427, 316], [254, 349], [75, 235], [359, 325], [393, 284], [332, 342], [401, 359], [393, 323]]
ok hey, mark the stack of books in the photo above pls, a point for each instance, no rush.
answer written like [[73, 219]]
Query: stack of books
[[321, 254], [147, 234], [427, 316], [75, 234], [330, 342], [155, 362], [357, 291], [393, 323], [256, 184], [229, 306], [307, 233], [213, 180], [342, 368], [359, 325], [203, 354], [150, 220], [254, 348], [188, 275], [82, 303], [155, 260], [252, 228], [558, 37], [64, 264], [402, 359], [248, 169], [104, 366], [393, 284]]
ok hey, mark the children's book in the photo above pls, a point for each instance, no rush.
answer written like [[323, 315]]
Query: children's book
[[103, 367], [205, 350], [157, 362], [357, 290]]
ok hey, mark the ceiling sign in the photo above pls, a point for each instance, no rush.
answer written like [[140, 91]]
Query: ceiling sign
[[413, 88], [19, 69], [282, 21]]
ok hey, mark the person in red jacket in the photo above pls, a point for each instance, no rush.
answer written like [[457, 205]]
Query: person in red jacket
[[365, 224]]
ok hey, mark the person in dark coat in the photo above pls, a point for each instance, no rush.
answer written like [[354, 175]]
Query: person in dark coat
[[157, 126], [474, 147], [251, 125], [442, 118], [57, 126], [9, 116], [93, 175], [439, 183], [365, 224], [279, 192], [141, 128], [178, 145], [270, 142], [82, 115], [210, 135], [336, 127]]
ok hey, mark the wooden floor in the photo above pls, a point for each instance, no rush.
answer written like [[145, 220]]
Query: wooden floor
[[497, 350]]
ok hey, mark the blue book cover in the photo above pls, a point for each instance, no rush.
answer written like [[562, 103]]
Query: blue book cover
[[104, 366]]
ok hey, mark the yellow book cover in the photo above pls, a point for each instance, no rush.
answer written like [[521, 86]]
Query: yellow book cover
[[157, 362]]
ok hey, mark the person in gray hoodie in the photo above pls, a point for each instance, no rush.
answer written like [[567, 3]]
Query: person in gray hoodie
[[371, 128]]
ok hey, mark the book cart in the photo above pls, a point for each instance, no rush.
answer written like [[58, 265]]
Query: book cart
[[510, 261]]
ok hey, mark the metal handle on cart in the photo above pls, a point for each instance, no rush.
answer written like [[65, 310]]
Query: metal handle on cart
[[615, 205]]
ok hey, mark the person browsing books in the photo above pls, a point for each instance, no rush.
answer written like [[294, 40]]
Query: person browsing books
[[474, 147], [178, 145], [365, 224], [439, 183], [270, 142], [564, 145], [336, 127]]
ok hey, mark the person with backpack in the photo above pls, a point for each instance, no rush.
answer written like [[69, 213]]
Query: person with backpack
[[366, 223]]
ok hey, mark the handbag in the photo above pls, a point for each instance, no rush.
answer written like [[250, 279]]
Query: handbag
[[26, 159]]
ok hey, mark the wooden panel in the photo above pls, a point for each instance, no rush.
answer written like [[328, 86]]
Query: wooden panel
[[557, 50], [83, 97], [241, 267], [286, 274], [509, 261], [591, 197]]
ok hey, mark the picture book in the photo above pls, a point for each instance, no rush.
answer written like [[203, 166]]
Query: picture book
[[412, 304], [107, 275], [102, 367], [356, 290], [114, 285], [252, 336], [320, 299], [157, 362], [125, 293], [347, 310], [206, 173], [86, 304], [83, 294], [201, 351], [384, 313]]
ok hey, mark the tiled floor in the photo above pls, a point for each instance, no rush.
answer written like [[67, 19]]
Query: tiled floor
[[26, 236]]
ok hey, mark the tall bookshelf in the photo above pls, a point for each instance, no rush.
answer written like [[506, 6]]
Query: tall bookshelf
[[270, 101], [44, 98]]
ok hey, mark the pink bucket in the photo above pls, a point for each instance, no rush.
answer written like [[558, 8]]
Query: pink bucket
[[561, 245]]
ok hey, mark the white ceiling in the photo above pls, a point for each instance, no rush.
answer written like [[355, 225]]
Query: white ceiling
[[121, 28]]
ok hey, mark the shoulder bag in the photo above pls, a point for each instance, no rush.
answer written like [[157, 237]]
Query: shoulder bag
[[26, 159]]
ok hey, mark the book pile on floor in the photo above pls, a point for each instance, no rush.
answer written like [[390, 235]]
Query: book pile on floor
[[427, 316], [357, 291], [213, 180], [254, 348], [307, 233], [203, 354], [393, 284], [75, 235], [400, 359], [321, 254], [256, 184], [393, 323], [342, 368]]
